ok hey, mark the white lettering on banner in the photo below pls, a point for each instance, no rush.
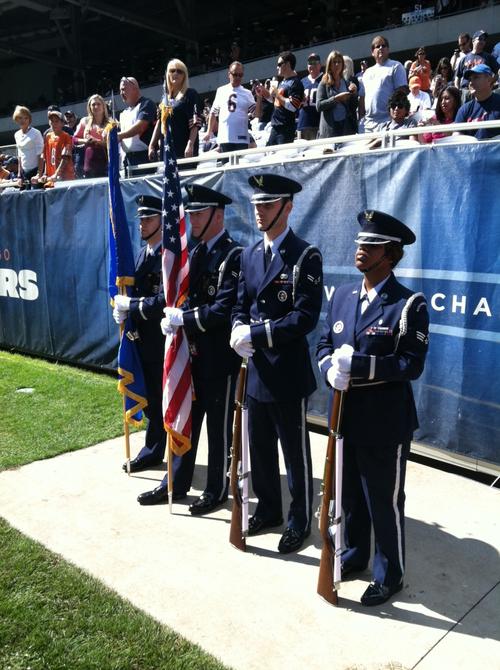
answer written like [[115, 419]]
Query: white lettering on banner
[[457, 304], [22, 286], [482, 306]]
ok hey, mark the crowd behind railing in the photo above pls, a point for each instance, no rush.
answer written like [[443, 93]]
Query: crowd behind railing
[[330, 101]]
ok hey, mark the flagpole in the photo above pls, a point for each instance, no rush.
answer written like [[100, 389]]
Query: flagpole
[[126, 430], [170, 474]]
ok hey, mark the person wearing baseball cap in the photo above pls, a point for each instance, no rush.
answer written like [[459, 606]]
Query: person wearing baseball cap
[[308, 121], [477, 56], [484, 105], [373, 344]]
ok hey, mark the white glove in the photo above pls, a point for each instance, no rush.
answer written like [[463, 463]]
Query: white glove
[[244, 349], [173, 316], [166, 327], [343, 358], [338, 380], [240, 333], [118, 316], [122, 302]]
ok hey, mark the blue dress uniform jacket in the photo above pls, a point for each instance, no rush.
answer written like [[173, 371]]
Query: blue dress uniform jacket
[[146, 309], [213, 281], [390, 341], [385, 358], [207, 317], [282, 305]]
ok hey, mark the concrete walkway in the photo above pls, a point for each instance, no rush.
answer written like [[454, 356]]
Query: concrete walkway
[[259, 609]]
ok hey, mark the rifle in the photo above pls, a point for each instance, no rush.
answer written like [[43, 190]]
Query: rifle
[[239, 473], [330, 512]]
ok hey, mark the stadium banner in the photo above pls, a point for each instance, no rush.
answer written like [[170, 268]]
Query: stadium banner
[[53, 267]]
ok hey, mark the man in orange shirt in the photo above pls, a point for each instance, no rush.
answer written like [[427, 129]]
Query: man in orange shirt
[[57, 152]]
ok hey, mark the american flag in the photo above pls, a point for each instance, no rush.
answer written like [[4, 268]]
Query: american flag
[[177, 391]]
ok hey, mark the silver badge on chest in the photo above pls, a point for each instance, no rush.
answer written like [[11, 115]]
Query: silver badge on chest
[[338, 327], [282, 296]]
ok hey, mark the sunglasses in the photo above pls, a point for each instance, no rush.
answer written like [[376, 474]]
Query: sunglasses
[[379, 46], [312, 62], [280, 63], [398, 105], [236, 74], [175, 70]]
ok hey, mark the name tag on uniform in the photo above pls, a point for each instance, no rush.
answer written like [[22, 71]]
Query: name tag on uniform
[[379, 330]]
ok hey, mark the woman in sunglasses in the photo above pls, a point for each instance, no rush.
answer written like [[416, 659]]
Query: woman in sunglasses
[[89, 135], [186, 107], [421, 68]]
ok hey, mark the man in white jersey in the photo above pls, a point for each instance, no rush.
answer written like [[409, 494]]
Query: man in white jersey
[[232, 107], [380, 81]]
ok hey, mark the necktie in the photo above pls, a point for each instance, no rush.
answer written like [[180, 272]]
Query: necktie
[[268, 257], [364, 303]]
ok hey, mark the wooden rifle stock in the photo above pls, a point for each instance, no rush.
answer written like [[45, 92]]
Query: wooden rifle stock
[[235, 534], [326, 583]]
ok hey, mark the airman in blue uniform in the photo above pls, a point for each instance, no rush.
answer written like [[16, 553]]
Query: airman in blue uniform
[[206, 319], [373, 344], [146, 309], [279, 301]]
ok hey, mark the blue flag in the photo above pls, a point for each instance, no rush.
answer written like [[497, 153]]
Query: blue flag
[[121, 278]]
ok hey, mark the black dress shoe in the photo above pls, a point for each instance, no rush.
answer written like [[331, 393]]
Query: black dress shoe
[[137, 464], [205, 504], [256, 524], [377, 593], [292, 540], [158, 496], [348, 569]]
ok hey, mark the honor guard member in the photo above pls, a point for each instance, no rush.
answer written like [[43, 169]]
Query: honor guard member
[[373, 343], [146, 309], [206, 319], [279, 301]]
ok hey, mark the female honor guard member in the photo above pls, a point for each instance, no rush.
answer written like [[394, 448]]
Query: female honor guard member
[[373, 343], [206, 319], [279, 300]]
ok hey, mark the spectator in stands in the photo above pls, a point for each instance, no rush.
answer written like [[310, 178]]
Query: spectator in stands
[[136, 123], [464, 47], [363, 66], [232, 108], [29, 144], [495, 52], [477, 56], [89, 135], [357, 102], [443, 77], [399, 111], [9, 168], [308, 122], [57, 153], [287, 97], [421, 68], [186, 108], [418, 99], [447, 104], [334, 96], [72, 121], [380, 82], [484, 106]]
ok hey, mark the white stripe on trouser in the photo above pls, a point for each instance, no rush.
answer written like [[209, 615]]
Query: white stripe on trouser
[[397, 516], [304, 456], [226, 441]]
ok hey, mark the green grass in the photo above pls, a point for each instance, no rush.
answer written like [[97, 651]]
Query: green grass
[[52, 615], [55, 617], [68, 409]]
